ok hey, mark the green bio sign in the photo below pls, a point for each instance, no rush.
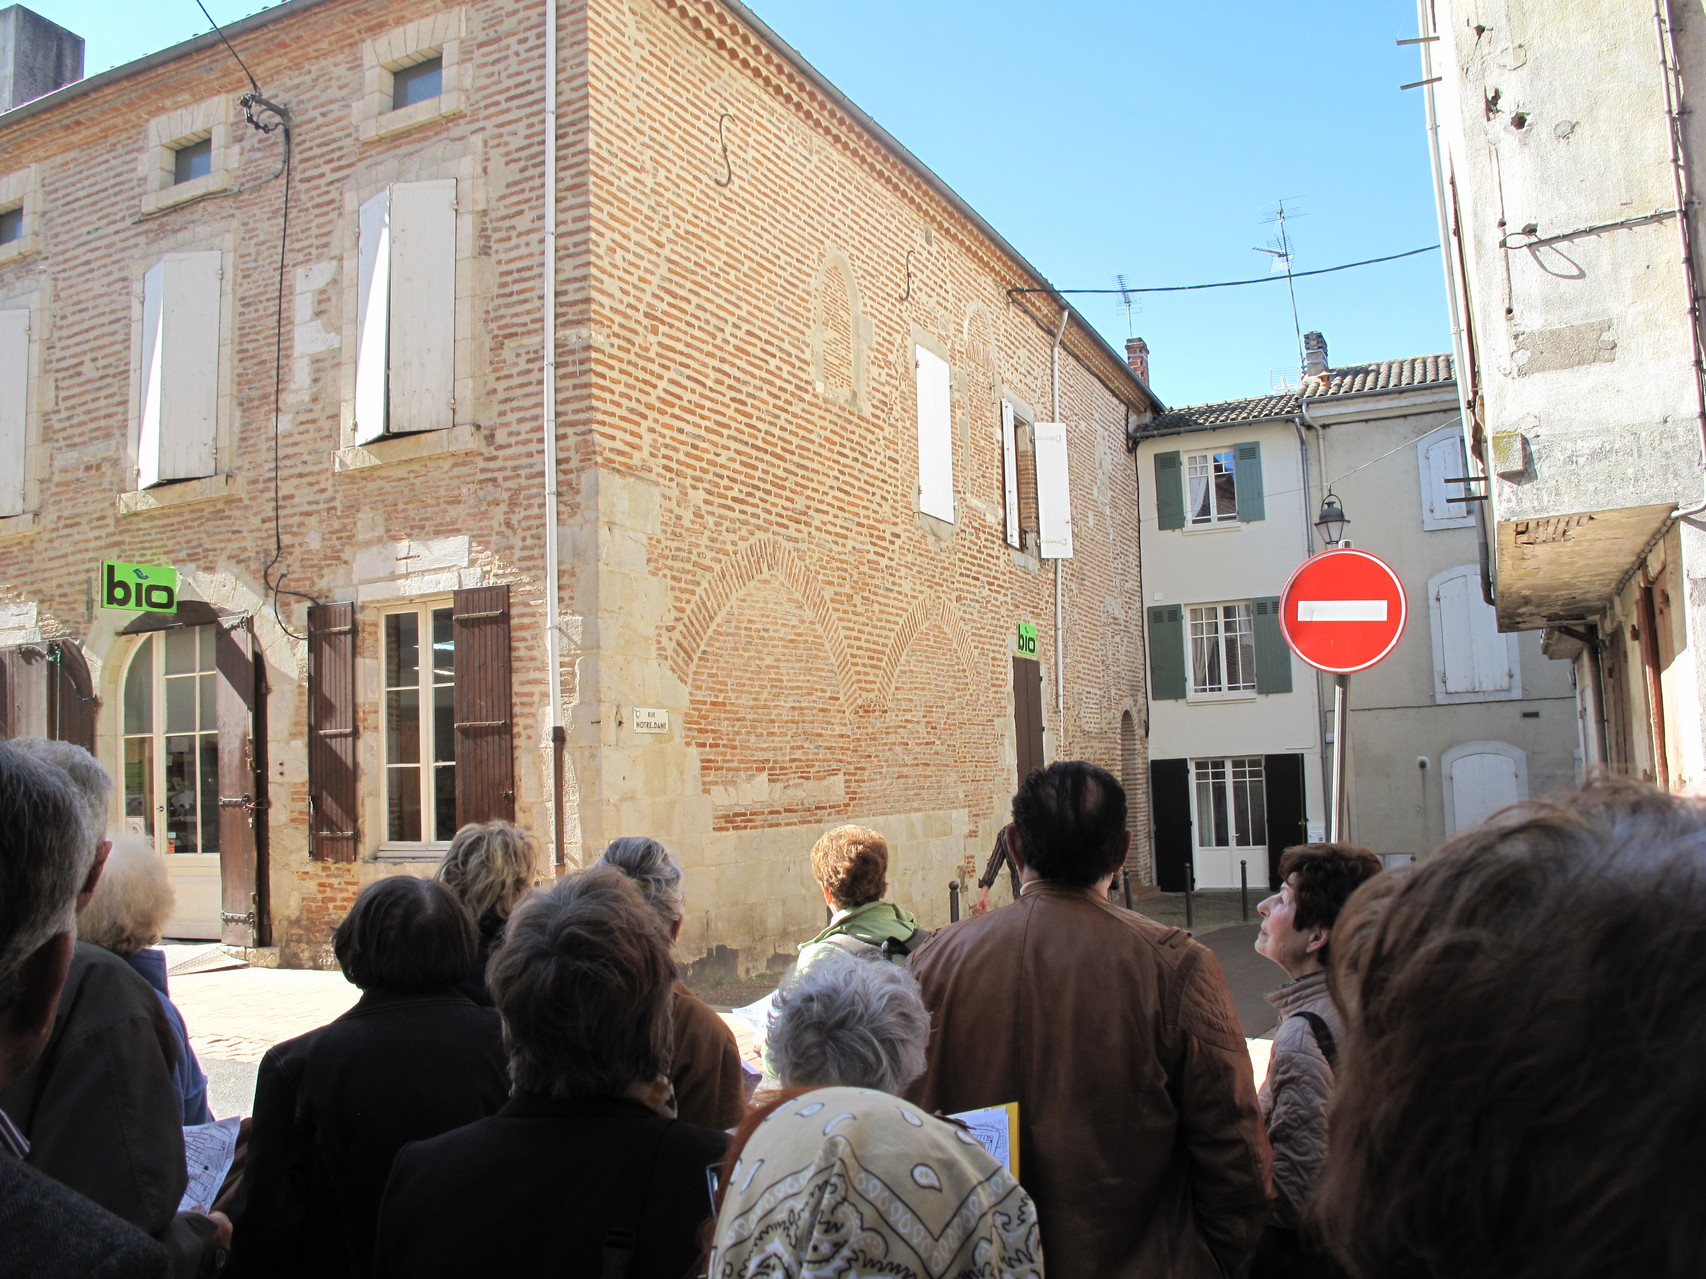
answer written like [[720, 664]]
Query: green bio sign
[[147, 588], [1025, 640]]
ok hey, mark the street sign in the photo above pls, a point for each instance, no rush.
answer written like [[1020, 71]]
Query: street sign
[[1025, 640], [147, 588], [1343, 610]]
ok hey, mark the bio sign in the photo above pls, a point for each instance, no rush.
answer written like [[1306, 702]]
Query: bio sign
[[1025, 640], [145, 588]]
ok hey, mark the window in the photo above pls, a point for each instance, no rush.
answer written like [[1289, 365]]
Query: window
[[405, 376], [934, 383], [179, 366], [192, 160], [1223, 649], [1010, 476], [14, 410], [1054, 492], [1473, 662], [418, 83], [171, 740], [1439, 457], [419, 728], [11, 224], [1231, 803], [1214, 487]]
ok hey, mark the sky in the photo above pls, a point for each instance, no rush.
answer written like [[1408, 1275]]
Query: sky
[[1104, 138]]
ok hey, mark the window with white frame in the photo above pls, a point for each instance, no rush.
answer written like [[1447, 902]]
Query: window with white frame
[[412, 74], [14, 410], [1223, 649], [192, 154], [1213, 487], [181, 341], [171, 740], [405, 353], [1232, 807], [419, 727], [20, 205]]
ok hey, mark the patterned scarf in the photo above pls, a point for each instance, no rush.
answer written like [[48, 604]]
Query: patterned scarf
[[844, 1182]]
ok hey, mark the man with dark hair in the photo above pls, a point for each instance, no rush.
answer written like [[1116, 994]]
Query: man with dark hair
[[49, 1231], [1316, 880], [1139, 1133], [586, 1170]]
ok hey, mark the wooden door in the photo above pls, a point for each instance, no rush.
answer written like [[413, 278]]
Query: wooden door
[[1028, 715], [242, 786], [1287, 818], [1170, 813]]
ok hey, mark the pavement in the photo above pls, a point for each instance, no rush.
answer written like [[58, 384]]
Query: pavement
[[235, 1013]]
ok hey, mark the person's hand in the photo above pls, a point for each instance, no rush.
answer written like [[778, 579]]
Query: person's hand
[[982, 907], [223, 1235]]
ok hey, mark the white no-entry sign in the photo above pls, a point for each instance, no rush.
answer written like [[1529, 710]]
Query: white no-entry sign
[[1343, 610]]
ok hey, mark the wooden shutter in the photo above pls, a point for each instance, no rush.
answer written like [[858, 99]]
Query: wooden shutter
[[1247, 476], [1166, 653], [1054, 491], [1273, 657], [422, 348], [1170, 814], [1439, 458], [332, 795], [1287, 819], [1474, 656], [72, 706], [24, 675], [1028, 716], [242, 787], [935, 435], [179, 422], [1169, 491], [372, 317], [485, 728], [14, 408], [1010, 473]]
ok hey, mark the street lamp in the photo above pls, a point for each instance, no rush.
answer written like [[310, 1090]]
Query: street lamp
[[1332, 520]]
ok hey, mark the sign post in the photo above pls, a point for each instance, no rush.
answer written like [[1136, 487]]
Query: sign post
[[1342, 611]]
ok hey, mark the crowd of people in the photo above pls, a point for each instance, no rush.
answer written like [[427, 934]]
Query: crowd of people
[[1484, 1066]]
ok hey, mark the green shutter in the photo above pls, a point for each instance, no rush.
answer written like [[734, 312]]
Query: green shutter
[[1273, 655], [1169, 491], [1247, 471], [1166, 652]]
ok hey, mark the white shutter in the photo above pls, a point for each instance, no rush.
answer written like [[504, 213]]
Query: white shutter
[[423, 306], [1472, 656], [1481, 785], [1054, 495], [14, 406], [179, 421], [1010, 473], [372, 316], [935, 435], [1439, 458]]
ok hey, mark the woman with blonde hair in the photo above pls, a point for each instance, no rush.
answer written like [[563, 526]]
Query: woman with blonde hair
[[490, 866]]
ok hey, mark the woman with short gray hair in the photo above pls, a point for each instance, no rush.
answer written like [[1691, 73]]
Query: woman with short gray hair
[[706, 1073], [848, 1021]]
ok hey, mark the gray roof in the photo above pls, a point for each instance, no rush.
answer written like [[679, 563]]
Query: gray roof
[[1351, 379]]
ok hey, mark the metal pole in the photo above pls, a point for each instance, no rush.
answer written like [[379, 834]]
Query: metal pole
[[1125, 887], [1244, 889], [1341, 746], [953, 901], [1190, 883]]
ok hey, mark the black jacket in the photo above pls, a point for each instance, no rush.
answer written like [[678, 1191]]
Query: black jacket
[[333, 1107], [49, 1232], [535, 1189]]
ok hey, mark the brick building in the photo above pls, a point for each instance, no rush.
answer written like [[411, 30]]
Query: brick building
[[796, 482]]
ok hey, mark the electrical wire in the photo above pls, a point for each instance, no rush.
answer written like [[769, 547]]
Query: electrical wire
[[221, 34], [1232, 284]]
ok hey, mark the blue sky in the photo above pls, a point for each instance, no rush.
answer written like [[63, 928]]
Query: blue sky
[[1103, 138]]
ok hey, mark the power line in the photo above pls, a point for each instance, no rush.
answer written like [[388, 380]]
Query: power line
[[1232, 284]]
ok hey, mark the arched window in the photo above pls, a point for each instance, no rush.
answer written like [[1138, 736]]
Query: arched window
[[171, 740]]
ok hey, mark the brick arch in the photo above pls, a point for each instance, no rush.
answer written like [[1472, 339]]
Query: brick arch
[[926, 610], [760, 558], [837, 346], [977, 335]]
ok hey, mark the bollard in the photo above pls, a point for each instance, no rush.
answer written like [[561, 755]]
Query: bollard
[[1244, 889], [1190, 883], [953, 901], [1125, 887]]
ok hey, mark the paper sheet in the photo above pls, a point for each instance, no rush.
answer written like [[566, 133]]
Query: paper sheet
[[997, 1128], [208, 1152]]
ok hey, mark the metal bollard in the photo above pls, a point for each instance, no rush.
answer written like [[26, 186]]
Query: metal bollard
[[953, 901], [1190, 883], [1244, 889], [1125, 887]]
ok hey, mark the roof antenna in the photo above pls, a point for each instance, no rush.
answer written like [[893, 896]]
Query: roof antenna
[[1125, 300], [1282, 261], [227, 44]]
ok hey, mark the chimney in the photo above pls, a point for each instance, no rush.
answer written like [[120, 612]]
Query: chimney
[[1137, 355], [36, 56], [1314, 355]]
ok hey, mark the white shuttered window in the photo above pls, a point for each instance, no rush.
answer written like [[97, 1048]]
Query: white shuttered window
[[1054, 494], [1473, 662], [178, 427], [14, 408], [1439, 457], [1010, 472], [405, 378], [935, 435]]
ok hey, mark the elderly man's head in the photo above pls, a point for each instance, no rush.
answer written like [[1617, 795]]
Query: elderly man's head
[[584, 980], [1069, 823], [45, 856], [857, 1022]]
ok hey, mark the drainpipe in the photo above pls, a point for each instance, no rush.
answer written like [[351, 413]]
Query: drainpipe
[[548, 425], [1297, 422], [1684, 198], [1059, 565]]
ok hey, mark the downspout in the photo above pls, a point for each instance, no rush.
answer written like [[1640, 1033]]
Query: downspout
[[1059, 565], [1684, 200], [548, 425], [1297, 422]]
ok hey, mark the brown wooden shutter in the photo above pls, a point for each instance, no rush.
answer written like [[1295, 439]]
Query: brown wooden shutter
[[242, 790], [332, 795], [485, 727], [25, 679], [71, 702]]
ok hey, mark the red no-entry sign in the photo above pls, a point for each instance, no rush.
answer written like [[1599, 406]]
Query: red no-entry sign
[[1343, 610]]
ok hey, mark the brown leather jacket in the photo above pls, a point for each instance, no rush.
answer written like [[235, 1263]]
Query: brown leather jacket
[[706, 1074], [1140, 1137]]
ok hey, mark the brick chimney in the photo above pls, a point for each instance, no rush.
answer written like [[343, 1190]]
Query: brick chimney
[[36, 56], [1137, 356], [1314, 355]]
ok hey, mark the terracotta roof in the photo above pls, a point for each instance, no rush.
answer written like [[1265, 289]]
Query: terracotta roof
[[1352, 379]]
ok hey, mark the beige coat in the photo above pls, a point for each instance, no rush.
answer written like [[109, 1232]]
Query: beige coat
[[1140, 1137], [1295, 1095]]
